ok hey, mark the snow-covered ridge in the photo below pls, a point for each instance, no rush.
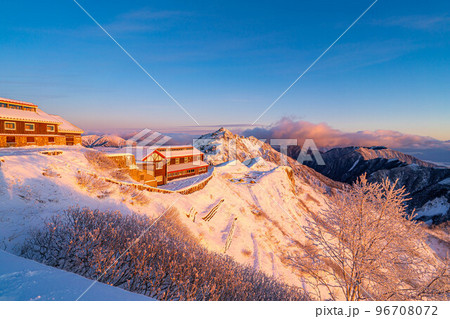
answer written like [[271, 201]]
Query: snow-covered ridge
[[369, 153], [106, 140], [223, 146]]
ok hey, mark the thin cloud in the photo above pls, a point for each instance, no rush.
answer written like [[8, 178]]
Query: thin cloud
[[147, 14], [145, 20], [417, 22]]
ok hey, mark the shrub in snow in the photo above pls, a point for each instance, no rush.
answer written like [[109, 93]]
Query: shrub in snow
[[105, 164], [92, 183], [160, 260], [365, 246], [49, 172], [120, 174], [136, 195], [100, 160]]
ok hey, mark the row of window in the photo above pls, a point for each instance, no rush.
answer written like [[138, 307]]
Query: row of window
[[186, 159], [174, 149], [28, 127], [30, 139], [189, 171], [18, 107]]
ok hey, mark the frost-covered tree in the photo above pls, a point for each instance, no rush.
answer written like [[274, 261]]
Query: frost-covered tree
[[365, 246]]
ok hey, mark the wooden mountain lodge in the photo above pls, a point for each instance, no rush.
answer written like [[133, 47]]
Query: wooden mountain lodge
[[25, 124], [172, 162], [163, 164]]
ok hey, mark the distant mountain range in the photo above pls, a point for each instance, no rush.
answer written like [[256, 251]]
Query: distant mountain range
[[103, 140], [428, 184]]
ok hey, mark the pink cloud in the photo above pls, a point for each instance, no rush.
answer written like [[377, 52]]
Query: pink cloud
[[325, 136]]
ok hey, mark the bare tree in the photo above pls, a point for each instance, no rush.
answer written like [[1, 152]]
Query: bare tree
[[365, 246]]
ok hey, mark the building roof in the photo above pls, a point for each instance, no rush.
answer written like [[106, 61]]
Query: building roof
[[21, 115], [185, 166], [168, 153], [66, 126], [175, 146], [173, 154], [16, 102]]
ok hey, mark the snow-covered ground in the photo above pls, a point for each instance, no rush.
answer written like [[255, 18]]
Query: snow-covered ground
[[22, 280], [265, 204], [435, 207], [28, 197], [264, 208]]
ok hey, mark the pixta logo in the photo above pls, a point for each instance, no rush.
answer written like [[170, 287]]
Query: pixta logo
[[145, 142]]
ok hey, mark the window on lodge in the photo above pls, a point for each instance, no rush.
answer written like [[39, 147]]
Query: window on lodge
[[30, 139], [10, 126], [27, 108], [159, 165], [50, 128], [51, 140], [186, 159], [177, 161], [190, 171], [15, 106], [29, 127], [10, 139], [3, 105], [202, 169]]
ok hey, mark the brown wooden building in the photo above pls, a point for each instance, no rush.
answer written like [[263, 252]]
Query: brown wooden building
[[172, 162], [25, 124]]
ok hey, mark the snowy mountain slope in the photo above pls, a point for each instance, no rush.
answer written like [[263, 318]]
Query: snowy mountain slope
[[223, 146], [427, 187], [263, 201], [267, 208], [253, 213], [424, 181], [23, 279], [348, 163], [28, 197]]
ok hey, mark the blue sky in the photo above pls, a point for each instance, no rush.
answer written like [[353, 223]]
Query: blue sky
[[226, 61]]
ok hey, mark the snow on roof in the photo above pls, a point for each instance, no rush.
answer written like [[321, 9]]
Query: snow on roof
[[21, 115], [171, 154], [167, 152], [176, 146], [4, 100], [185, 166], [66, 126]]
